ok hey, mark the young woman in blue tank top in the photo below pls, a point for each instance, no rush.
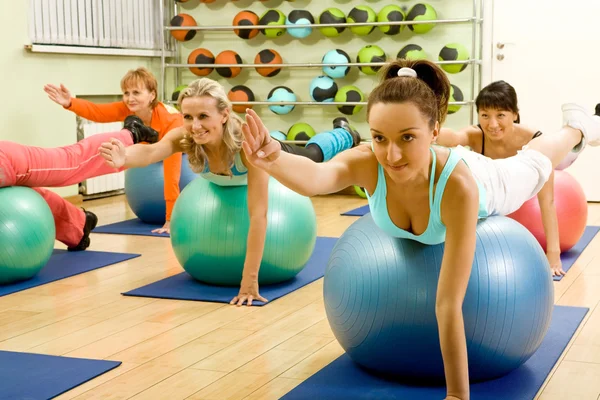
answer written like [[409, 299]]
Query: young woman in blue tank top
[[500, 134], [424, 192], [211, 136]]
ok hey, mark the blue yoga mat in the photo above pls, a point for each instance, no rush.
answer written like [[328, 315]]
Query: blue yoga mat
[[343, 379], [358, 212], [184, 287], [130, 227], [38, 376], [63, 264], [568, 258]]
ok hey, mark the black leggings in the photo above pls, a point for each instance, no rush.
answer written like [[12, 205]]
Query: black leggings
[[312, 151]]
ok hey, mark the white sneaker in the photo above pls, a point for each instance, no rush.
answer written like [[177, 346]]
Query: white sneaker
[[577, 117]]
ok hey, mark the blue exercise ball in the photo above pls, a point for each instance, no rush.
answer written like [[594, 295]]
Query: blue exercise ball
[[283, 94], [144, 190], [380, 297], [323, 89], [336, 56], [27, 234], [209, 232]]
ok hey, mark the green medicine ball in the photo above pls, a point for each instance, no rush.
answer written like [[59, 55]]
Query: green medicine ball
[[421, 12], [391, 13], [360, 191], [209, 232], [370, 53], [175, 94], [27, 234], [332, 16], [412, 52], [454, 52], [349, 93], [272, 17], [455, 95], [361, 14], [300, 131]]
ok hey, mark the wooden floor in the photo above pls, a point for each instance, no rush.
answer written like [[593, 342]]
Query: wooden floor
[[193, 350]]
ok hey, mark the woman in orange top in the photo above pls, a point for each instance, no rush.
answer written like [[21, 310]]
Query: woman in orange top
[[139, 98]]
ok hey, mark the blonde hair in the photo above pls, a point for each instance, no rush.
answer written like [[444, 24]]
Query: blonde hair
[[135, 77], [232, 132]]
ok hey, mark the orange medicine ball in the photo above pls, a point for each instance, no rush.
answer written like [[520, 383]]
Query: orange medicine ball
[[183, 20], [201, 56], [245, 18], [228, 57], [240, 93], [268, 56]]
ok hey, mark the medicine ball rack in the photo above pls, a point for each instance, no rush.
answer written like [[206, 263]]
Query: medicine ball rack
[[169, 44]]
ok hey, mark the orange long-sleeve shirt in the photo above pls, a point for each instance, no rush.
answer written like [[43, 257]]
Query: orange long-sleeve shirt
[[164, 119]]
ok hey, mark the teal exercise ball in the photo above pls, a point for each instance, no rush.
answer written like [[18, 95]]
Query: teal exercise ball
[[27, 234], [209, 231], [144, 190]]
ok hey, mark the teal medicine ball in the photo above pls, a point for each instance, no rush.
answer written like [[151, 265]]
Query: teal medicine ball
[[391, 13], [336, 56], [454, 52], [323, 89], [281, 93], [421, 12], [361, 14], [298, 22], [27, 234], [332, 16], [272, 17], [278, 135], [412, 52], [349, 93], [209, 231], [370, 53]]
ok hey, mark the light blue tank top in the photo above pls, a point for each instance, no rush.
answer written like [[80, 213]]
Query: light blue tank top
[[239, 174], [436, 230]]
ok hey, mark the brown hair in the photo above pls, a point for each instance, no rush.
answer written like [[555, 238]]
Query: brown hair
[[232, 128], [135, 77], [430, 91], [500, 96]]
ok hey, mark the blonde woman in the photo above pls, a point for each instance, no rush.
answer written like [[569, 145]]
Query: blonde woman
[[211, 136]]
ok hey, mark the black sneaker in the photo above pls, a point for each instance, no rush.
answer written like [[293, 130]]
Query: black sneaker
[[139, 131], [597, 112], [342, 122], [91, 220]]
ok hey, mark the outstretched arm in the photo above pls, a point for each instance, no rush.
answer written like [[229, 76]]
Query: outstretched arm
[[469, 136], [301, 174], [141, 155], [459, 213]]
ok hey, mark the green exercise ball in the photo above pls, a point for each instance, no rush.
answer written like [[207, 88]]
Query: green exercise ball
[[209, 231], [272, 17], [391, 13], [361, 14], [455, 95], [27, 234], [332, 16], [300, 131], [412, 52], [454, 52], [421, 12], [370, 53], [349, 93], [360, 191]]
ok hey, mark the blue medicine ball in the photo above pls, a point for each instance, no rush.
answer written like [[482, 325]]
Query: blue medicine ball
[[336, 56], [323, 88], [281, 93], [278, 135], [299, 18]]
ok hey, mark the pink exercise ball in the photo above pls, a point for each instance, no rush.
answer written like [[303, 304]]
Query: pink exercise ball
[[571, 211]]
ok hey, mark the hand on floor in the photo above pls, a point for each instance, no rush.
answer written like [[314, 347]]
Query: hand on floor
[[165, 229], [555, 263], [248, 293]]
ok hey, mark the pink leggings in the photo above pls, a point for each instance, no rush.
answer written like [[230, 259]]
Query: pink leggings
[[60, 166]]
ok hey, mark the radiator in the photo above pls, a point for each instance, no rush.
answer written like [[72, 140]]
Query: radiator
[[106, 184], [132, 24]]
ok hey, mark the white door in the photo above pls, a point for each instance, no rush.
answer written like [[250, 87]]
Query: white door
[[550, 52]]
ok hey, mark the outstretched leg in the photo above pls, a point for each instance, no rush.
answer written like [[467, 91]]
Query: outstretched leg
[[325, 145], [580, 129]]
